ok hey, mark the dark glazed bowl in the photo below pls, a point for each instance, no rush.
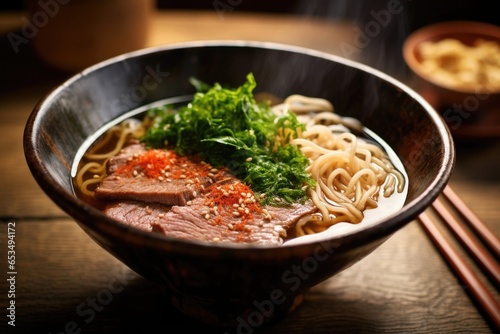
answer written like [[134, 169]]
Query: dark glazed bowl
[[235, 285]]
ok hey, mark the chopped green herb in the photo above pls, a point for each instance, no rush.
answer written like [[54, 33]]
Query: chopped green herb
[[227, 127]]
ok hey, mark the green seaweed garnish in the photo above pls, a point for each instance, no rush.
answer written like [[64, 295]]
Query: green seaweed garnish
[[227, 127]]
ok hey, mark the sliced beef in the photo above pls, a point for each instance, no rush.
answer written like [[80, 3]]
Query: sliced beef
[[158, 191], [137, 214], [149, 191], [201, 221], [189, 222], [134, 176], [133, 148]]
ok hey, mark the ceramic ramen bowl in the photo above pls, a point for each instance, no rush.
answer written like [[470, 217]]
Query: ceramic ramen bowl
[[227, 284]]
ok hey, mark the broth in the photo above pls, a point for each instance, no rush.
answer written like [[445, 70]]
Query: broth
[[385, 207]]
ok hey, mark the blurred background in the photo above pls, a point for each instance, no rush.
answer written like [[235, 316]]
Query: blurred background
[[423, 11], [387, 44], [382, 52]]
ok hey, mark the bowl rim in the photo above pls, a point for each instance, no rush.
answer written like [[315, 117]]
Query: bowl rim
[[97, 221], [437, 31]]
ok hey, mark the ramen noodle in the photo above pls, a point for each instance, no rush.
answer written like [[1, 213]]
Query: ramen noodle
[[349, 171]]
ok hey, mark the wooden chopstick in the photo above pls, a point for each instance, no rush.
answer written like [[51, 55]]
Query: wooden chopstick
[[480, 253], [479, 227], [479, 291]]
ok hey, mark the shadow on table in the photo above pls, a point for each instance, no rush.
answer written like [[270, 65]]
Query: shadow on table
[[141, 308]]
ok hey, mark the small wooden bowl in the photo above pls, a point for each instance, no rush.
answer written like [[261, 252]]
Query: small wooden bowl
[[470, 111]]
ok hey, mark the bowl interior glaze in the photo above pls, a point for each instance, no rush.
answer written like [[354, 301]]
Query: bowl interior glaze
[[225, 285]]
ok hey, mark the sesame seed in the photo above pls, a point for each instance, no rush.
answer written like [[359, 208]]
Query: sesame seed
[[236, 213], [230, 226], [213, 170], [216, 239], [248, 159], [189, 202], [207, 216], [195, 194]]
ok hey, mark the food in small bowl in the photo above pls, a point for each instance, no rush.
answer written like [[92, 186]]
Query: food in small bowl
[[456, 67], [237, 174]]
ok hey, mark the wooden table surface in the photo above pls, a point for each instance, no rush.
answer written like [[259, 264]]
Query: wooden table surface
[[405, 286]]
